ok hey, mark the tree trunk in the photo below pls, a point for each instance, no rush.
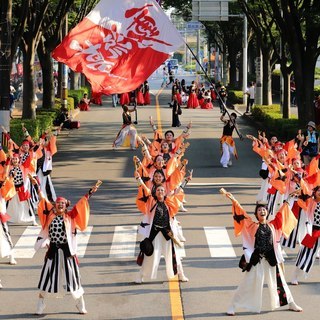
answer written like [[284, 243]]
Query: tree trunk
[[304, 79], [225, 66], [233, 69], [72, 80], [47, 76], [241, 71], [29, 103], [60, 72], [266, 78], [5, 57], [77, 79], [286, 95]]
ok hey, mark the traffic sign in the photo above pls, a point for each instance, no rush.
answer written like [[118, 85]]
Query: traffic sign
[[210, 10], [194, 25]]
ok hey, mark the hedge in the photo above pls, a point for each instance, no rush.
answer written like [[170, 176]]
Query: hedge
[[77, 95], [235, 96], [269, 119], [35, 127]]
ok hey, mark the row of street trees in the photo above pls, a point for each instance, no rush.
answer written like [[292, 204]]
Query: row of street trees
[[283, 31], [286, 32], [34, 26]]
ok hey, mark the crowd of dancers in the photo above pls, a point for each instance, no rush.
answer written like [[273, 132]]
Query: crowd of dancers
[[27, 196], [288, 215], [161, 177], [287, 210], [18, 197]]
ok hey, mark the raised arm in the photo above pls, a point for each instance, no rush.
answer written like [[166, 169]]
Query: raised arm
[[240, 217]]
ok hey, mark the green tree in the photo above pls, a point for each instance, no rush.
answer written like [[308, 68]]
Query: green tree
[[11, 29], [53, 34], [299, 25]]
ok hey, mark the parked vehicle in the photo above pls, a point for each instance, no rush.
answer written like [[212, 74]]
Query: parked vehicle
[[173, 62]]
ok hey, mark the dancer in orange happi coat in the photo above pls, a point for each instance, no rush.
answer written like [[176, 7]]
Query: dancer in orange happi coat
[[59, 234], [262, 258]]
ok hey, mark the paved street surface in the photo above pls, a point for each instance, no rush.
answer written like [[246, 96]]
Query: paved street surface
[[109, 247]]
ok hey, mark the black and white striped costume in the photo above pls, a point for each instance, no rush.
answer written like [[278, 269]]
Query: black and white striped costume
[[21, 210], [59, 232], [59, 258], [306, 255], [299, 232], [44, 169]]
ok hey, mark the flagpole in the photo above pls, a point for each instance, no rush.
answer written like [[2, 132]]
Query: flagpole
[[206, 75]]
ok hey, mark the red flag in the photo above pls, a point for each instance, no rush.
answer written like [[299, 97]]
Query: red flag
[[118, 46]]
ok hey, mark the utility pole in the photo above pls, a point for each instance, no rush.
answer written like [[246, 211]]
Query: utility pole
[[258, 96], [198, 68], [5, 62], [245, 58], [64, 78]]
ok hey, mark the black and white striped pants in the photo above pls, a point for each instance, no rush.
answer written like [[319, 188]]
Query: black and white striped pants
[[307, 256], [58, 271]]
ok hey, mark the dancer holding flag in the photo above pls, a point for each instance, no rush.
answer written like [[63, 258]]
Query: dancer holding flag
[[127, 130], [228, 145]]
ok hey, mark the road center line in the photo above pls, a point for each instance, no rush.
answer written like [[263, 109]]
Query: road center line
[[174, 285]]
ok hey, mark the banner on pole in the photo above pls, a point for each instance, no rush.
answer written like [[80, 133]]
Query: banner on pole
[[117, 47]]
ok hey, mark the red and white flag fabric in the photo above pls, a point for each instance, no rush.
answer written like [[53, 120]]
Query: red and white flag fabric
[[119, 44]]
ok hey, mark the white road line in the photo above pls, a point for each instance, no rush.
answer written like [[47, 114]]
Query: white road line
[[249, 184], [124, 242], [83, 239], [219, 242], [24, 247]]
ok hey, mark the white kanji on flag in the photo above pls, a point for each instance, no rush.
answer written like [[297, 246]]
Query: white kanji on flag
[[117, 47]]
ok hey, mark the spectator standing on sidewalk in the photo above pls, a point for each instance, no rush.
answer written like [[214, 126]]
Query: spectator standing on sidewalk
[[250, 92], [12, 104], [115, 99], [310, 143], [222, 98], [39, 81]]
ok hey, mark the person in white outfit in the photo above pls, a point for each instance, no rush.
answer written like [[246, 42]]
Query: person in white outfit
[[159, 229], [250, 92], [227, 143], [127, 129], [262, 257]]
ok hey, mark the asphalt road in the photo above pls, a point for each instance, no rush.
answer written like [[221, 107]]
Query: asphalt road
[[86, 155]]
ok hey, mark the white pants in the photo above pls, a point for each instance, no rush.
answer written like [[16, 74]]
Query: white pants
[[227, 151], [127, 130], [150, 264], [249, 293], [262, 195]]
